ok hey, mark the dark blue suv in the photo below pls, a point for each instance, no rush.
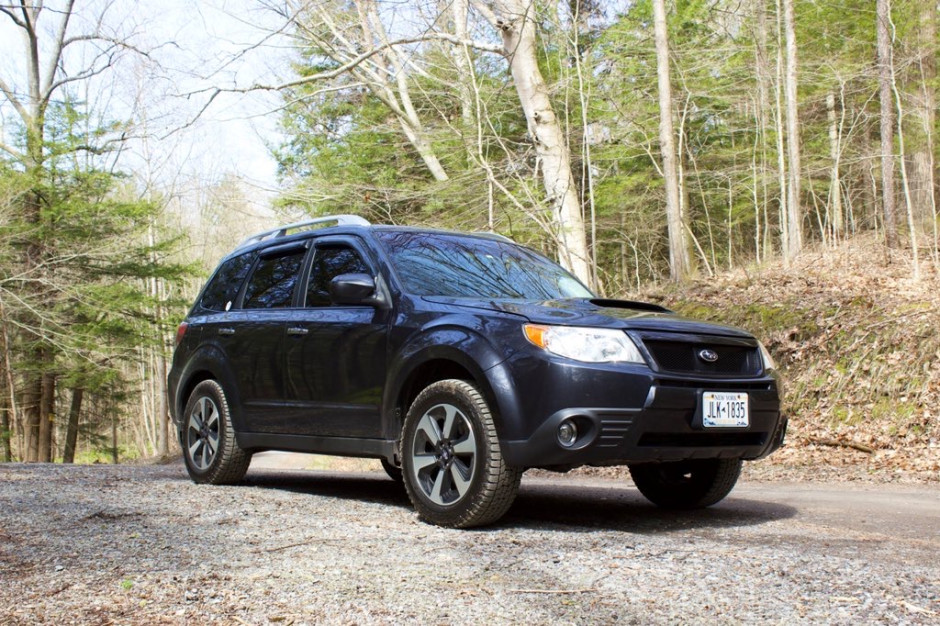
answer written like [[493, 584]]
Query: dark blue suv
[[459, 360]]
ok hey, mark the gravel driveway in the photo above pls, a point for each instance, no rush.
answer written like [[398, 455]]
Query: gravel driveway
[[144, 545]]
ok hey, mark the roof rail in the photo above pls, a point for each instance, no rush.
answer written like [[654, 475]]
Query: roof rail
[[495, 236], [317, 222]]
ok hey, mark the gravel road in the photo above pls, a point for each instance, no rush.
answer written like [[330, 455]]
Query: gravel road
[[144, 545]]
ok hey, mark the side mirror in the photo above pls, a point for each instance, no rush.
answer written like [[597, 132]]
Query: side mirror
[[354, 289]]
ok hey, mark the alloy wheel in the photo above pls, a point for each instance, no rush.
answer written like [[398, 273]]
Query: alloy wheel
[[203, 433], [444, 454]]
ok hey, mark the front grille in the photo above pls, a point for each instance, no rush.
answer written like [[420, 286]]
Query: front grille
[[684, 356]]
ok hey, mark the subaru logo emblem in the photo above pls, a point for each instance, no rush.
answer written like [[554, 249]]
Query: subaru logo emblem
[[709, 356]]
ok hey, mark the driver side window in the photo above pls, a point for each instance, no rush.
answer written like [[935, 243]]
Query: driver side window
[[328, 263]]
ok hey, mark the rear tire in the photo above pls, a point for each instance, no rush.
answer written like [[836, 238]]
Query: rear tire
[[209, 447], [686, 484], [453, 467]]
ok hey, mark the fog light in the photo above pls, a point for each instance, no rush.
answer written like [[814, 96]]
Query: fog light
[[567, 433]]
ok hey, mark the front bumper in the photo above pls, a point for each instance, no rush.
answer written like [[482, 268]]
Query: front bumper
[[637, 417]]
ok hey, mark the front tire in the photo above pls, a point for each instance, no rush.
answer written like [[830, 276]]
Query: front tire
[[454, 470], [686, 485], [393, 471], [210, 450]]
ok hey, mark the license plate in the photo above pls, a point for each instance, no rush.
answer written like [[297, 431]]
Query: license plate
[[724, 410]]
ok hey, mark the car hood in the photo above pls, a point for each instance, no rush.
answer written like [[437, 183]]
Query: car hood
[[595, 312]]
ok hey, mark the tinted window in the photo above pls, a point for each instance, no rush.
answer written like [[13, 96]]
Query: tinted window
[[330, 262], [272, 284], [437, 264], [222, 290]]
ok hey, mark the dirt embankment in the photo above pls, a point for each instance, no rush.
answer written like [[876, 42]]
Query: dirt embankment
[[858, 342]]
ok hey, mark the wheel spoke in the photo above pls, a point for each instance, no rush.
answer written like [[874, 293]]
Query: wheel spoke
[[423, 461], [194, 422], [194, 454], [212, 441], [450, 417], [438, 488], [212, 419], [468, 445], [461, 483], [428, 426]]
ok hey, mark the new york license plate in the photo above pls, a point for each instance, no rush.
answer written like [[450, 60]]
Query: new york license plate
[[722, 409]]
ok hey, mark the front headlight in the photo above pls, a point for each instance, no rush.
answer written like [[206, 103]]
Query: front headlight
[[591, 345], [765, 355]]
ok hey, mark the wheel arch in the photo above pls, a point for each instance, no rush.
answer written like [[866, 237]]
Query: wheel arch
[[207, 365], [435, 362]]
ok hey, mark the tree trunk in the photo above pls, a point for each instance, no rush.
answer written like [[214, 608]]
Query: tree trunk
[[794, 214], [680, 263], [388, 81], [462, 57], [46, 418], [883, 23], [922, 162], [11, 415], [7, 427], [516, 21], [32, 392], [905, 181], [114, 435], [781, 143], [835, 184], [762, 70], [71, 433], [163, 420], [6, 454]]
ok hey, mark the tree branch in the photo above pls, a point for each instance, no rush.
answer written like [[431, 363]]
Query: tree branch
[[56, 55], [487, 13], [11, 97], [13, 153], [358, 60], [6, 11]]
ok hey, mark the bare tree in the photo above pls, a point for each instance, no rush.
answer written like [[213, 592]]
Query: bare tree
[[680, 264], [515, 21], [835, 154], [341, 32], [924, 115], [794, 214], [883, 25]]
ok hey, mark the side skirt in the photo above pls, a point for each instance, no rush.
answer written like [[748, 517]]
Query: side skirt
[[337, 446]]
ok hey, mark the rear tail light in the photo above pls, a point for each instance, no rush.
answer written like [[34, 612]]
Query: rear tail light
[[181, 332]]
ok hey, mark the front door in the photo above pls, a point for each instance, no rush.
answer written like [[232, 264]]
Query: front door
[[336, 356]]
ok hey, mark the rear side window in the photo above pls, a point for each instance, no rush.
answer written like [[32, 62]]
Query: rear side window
[[330, 262], [220, 293], [272, 284]]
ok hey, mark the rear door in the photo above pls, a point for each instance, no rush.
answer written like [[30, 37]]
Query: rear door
[[259, 332]]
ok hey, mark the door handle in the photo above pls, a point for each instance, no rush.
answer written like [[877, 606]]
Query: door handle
[[226, 331], [297, 331]]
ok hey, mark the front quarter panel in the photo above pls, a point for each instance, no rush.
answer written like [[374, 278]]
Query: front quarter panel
[[479, 345]]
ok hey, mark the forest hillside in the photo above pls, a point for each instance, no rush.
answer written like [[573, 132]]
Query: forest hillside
[[857, 342]]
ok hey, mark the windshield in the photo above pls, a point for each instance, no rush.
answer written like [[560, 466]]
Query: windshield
[[440, 264]]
